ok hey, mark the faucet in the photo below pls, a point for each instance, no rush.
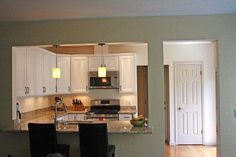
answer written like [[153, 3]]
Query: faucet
[[58, 102]]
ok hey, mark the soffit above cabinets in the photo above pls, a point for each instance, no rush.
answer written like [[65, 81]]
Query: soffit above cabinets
[[109, 48]]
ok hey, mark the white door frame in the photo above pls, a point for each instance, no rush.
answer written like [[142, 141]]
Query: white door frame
[[202, 102]]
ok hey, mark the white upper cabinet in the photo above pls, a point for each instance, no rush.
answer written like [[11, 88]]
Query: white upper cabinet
[[79, 74], [94, 63], [19, 71], [25, 71], [111, 62], [63, 83], [46, 61], [127, 73]]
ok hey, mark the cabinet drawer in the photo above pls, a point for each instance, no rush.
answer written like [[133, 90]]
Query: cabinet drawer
[[125, 116], [80, 117]]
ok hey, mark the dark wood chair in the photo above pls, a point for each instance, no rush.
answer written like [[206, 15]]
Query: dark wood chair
[[94, 141], [43, 140]]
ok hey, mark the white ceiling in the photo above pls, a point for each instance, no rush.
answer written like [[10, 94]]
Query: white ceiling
[[27, 10]]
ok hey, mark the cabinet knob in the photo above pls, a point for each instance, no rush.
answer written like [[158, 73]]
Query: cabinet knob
[[179, 108]]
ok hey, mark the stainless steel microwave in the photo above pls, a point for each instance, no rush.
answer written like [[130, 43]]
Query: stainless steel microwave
[[111, 81]]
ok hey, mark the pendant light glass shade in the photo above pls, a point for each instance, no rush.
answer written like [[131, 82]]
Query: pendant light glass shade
[[56, 73], [102, 70]]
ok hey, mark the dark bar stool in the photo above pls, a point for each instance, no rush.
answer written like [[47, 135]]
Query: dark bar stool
[[43, 140], [94, 141]]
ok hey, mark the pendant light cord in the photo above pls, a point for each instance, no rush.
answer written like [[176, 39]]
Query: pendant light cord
[[102, 44]]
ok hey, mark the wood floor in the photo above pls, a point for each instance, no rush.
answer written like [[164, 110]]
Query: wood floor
[[190, 151]]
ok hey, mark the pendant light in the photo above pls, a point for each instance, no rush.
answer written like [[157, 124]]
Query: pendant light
[[102, 70], [56, 72]]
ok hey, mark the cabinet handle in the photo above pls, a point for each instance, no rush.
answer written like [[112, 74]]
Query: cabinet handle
[[56, 89], [68, 88], [28, 90], [25, 90], [43, 89]]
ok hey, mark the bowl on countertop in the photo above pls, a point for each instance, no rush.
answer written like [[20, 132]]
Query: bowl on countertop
[[137, 123]]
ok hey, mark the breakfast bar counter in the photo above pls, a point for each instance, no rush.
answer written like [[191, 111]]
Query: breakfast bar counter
[[118, 127]]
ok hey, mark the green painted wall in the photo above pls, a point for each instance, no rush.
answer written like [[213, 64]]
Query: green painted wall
[[152, 30]]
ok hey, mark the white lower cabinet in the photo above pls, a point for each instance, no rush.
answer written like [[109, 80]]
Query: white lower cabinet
[[80, 117], [125, 116], [75, 117]]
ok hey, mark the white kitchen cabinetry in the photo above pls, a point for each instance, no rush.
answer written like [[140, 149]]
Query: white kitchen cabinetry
[[94, 63], [46, 61], [63, 83], [25, 71], [80, 117], [79, 74], [127, 73], [125, 116], [111, 62]]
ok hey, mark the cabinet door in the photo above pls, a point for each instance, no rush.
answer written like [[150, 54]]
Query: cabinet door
[[79, 74], [40, 73], [49, 62], [63, 83], [127, 74], [31, 71], [51, 82], [94, 63], [19, 63], [125, 116], [111, 63], [80, 117]]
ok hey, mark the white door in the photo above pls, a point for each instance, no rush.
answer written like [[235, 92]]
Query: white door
[[188, 98], [63, 83], [79, 74]]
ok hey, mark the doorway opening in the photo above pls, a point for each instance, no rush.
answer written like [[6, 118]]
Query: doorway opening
[[190, 92]]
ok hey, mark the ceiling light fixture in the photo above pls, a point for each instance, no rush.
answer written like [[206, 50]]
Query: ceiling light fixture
[[102, 70]]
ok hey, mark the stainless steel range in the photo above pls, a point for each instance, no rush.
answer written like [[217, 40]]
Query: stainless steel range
[[104, 109]]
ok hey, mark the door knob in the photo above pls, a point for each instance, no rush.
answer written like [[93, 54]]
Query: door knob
[[179, 108]]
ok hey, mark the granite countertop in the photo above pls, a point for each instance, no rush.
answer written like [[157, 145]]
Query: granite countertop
[[114, 126], [119, 127]]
